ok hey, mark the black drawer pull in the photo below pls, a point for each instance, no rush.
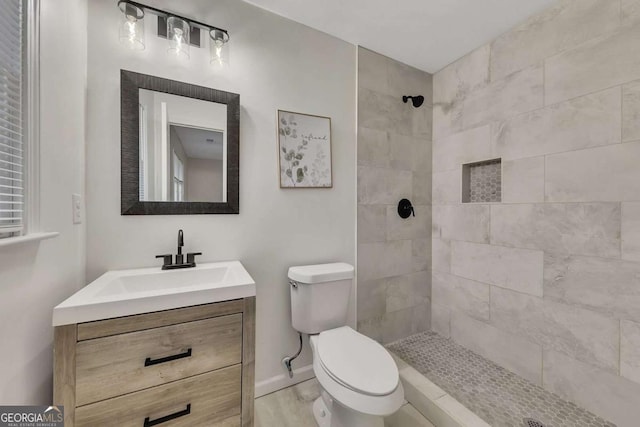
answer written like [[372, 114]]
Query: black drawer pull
[[149, 423], [148, 361]]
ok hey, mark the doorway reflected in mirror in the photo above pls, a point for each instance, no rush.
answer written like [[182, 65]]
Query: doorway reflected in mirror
[[183, 149]]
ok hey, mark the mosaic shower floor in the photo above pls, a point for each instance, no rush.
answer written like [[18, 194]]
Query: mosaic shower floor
[[498, 396]]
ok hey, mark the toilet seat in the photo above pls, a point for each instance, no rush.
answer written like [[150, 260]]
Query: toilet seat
[[348, 396], [357, 362]]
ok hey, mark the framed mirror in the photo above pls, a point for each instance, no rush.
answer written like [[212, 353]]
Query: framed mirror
[[180, 147]]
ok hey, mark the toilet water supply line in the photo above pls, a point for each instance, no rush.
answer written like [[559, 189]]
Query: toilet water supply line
[[288, 359]]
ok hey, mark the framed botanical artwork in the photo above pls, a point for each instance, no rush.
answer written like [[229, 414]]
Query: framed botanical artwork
[[304, 150]]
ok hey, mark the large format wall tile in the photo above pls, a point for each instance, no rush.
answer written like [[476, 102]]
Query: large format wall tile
[[399, 228], [440, 319], [373, 71], [421, 252], [606, 285], [571, 228], [630, 350], [516, 269], [631, 231], [465, 75], [631, 111], [378, 186], [372, 298], [606, 394], [598, 64], [383, 112], [384, 259], [447, 186], [517, 93], [452, 84], [404, 80], [472, 145], [461, 222], [588, 121], [373, 148], [579, 176], [421, 188], [441, 255], [421, 119], [371, 223], [522, 180], [402, 323], [394, 162], [463, 294], [401, 151], [562, 26], [447, 119], [510, 351], [630, 11], [579, 333], [400, 294]]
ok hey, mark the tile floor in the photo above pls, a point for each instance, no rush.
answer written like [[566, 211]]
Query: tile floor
[[495, 394], [291, 407]]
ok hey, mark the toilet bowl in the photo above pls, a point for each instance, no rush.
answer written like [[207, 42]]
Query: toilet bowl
[[359, 378]]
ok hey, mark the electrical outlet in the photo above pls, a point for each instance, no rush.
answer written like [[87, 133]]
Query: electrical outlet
[[76, 201]]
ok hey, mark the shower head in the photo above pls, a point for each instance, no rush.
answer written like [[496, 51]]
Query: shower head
[[415, 100]]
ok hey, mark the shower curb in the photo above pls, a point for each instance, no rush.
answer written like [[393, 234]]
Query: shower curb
[[432, 402]]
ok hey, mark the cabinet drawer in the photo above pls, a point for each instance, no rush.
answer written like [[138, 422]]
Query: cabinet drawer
[[116, 365], [211, 400]]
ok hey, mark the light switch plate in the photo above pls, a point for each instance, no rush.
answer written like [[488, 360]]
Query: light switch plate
[[76, 201]]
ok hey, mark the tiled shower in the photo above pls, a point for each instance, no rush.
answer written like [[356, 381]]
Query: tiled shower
[[394, 163], [535, 204]]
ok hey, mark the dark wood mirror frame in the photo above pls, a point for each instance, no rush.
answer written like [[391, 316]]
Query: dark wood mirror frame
[[130, 84]]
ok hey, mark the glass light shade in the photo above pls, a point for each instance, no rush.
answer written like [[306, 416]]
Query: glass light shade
[[131, 26], [219, 54], [179, 36]]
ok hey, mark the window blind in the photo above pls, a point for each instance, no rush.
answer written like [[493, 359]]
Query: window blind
[[11, 118]]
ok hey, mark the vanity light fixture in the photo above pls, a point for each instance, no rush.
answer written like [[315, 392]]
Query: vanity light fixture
[[180, 32]]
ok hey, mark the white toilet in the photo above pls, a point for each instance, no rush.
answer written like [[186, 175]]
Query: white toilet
[[359, 378]]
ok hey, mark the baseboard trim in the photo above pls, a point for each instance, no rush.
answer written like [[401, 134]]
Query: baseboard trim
[[279, 382]]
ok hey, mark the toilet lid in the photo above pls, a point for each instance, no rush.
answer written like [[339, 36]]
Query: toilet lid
[[357, 361]]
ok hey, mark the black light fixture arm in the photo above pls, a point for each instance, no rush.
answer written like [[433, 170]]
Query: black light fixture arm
[[165, 14]]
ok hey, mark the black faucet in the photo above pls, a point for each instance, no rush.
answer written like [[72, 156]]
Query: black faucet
[[179, 257], [191, 256]]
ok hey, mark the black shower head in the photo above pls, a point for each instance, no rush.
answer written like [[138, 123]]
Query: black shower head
[[415, 100]]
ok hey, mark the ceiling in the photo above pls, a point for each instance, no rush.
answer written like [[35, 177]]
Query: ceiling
[[427, 34], [200, 143]]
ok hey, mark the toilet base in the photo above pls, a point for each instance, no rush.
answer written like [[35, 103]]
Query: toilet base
[[327, 413]]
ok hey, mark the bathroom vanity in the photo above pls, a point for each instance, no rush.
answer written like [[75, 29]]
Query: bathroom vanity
[[161, 359]]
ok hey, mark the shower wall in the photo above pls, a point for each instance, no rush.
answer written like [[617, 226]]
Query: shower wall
[[547, 281], [394, 162]]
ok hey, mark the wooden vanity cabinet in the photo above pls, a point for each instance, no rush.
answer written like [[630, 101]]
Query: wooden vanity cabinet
[[191, 366]]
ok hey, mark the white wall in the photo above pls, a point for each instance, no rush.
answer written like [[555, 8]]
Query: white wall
[[35, 277], [275, 63], [204, 180]]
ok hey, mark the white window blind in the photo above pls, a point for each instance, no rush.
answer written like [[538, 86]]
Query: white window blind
[[11, 118]]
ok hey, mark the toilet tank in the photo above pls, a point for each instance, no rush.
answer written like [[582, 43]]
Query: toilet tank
[[320, 296]]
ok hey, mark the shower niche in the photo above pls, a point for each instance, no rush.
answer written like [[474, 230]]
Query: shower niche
[[482, 182]]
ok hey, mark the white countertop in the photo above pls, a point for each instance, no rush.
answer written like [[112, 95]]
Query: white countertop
[[127, 292]]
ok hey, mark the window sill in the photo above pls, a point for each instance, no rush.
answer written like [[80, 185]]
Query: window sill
[[33, 237]]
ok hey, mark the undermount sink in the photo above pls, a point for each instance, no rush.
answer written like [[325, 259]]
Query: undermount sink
[[129, 292]]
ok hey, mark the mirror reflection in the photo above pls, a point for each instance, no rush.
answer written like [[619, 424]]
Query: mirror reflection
[[183, 149]]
